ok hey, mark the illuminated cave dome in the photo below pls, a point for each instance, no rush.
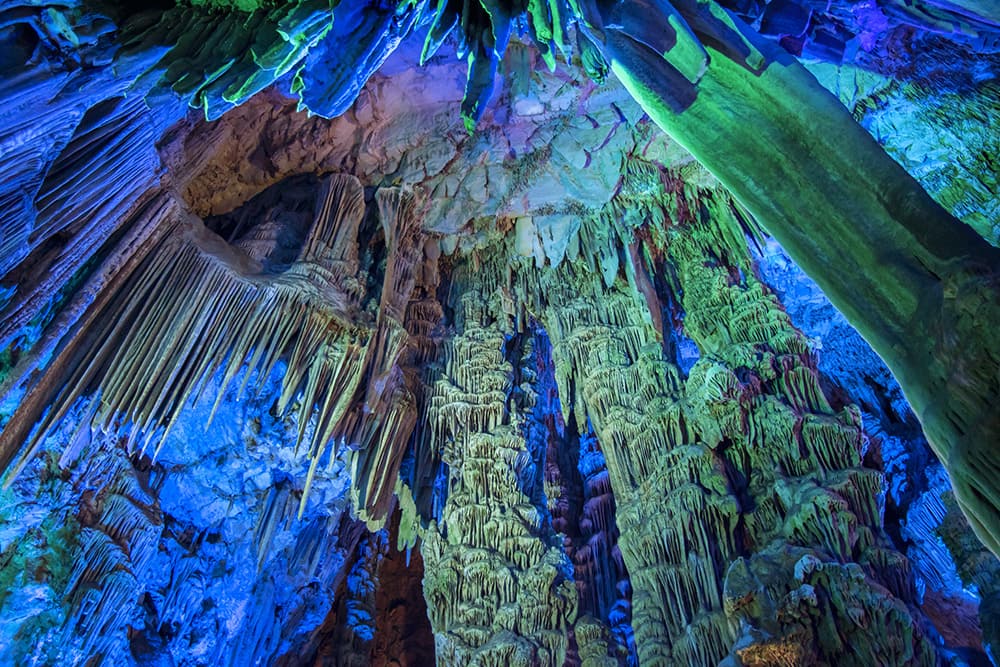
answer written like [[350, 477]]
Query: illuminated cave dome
[[551, 332]]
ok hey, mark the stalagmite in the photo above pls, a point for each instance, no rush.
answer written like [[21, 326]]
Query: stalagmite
[[786, 147]]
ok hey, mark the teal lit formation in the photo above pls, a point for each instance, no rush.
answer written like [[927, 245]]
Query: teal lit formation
[[466, 332]]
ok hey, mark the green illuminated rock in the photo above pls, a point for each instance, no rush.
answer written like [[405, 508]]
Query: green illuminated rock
[[498, 585], [888, 256]]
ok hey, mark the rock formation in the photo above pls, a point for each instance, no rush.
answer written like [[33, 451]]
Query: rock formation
[[498, 584], [394, 333]]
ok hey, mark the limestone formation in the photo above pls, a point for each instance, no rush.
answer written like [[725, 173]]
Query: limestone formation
[[757, 372], [390, 405], [486, 368], [199, 306], [901, 271], [582, 504], [125, 560], [747, 450], [499, 587]]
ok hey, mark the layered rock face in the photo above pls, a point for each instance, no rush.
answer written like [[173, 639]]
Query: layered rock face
[[379, 390]]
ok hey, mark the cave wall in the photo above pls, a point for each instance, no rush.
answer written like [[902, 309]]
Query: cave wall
[[198, 556]]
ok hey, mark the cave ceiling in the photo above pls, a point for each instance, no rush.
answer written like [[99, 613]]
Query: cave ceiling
[[500, 333]]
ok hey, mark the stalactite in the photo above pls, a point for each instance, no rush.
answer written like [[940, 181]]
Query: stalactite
[[725, 456], [156, 219], [884, 252], [198, 306], [102, 171], [751, 522], [390, 405], [362, 36], [216, 60], [622, 403], [64, 118]]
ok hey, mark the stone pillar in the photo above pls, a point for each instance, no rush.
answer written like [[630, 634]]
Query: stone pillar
[[749, 526], [816, 579], [677, 522], [498, 585]]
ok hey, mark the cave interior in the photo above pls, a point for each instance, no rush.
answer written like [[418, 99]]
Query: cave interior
[[500, 333]]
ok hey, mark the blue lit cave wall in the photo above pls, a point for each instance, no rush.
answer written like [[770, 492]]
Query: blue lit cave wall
[[499, 333]]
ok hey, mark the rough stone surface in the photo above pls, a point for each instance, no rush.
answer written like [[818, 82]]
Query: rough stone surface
[[112, 556]]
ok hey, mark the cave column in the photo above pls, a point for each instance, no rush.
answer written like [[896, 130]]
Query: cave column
[[582, 506], [498, 584], [813, 555], [676, 518]]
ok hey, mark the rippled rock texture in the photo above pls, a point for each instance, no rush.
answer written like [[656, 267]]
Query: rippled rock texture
[[400, 334]]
